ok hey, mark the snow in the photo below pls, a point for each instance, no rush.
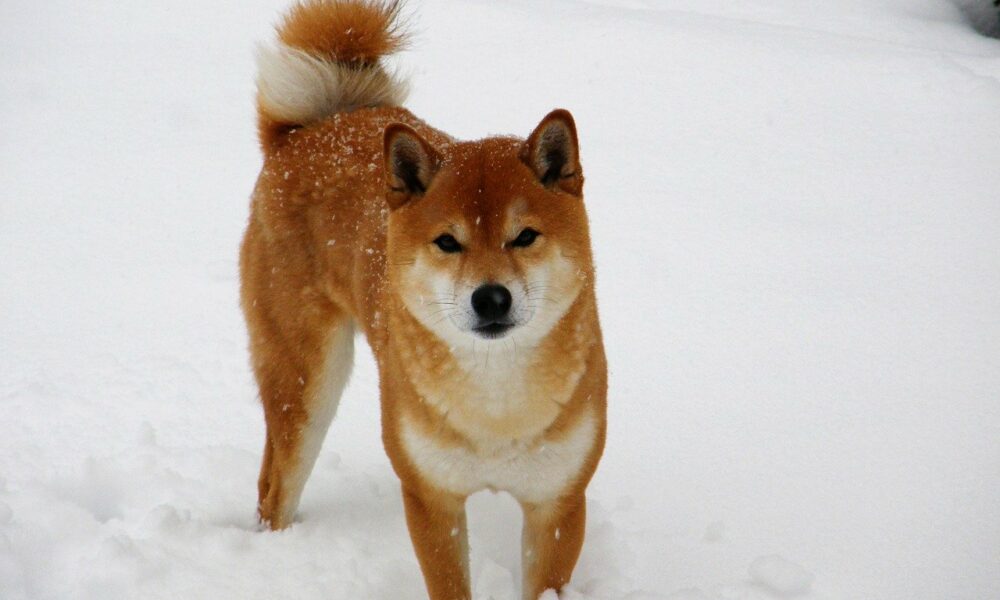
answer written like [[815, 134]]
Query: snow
[[794, 212], [781, 576]]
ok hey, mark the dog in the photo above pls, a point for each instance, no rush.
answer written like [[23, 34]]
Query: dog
[[466, 265]]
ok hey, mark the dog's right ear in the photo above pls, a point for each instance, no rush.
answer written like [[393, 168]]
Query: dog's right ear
[[410, 164]]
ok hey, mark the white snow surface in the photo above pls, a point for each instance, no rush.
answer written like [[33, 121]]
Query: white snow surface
[[796, 218], [780, 576]]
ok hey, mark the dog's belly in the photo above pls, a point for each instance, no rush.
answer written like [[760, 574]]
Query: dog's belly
[[532, 471]]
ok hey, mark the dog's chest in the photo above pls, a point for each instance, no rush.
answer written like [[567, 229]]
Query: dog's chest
[[503, 412], [531, 470]]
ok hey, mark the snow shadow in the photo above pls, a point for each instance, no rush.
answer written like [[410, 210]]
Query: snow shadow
[[982, 15]]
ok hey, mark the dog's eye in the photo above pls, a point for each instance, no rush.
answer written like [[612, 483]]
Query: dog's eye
[[525, 238], [447, 243]]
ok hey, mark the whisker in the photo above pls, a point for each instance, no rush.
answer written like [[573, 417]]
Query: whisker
[[438, 312], [441, 320]]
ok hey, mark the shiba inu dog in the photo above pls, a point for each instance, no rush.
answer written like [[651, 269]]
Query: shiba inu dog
[[466, 265]]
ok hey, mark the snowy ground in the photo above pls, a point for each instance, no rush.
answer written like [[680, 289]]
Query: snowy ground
[[796, 217]]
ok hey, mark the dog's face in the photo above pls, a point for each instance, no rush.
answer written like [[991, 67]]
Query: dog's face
[[488, 240]]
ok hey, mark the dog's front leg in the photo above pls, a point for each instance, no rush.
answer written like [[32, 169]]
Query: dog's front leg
[[437, 528], [551, 542]]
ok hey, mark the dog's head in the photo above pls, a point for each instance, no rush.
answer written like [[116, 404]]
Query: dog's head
[[488, 240]]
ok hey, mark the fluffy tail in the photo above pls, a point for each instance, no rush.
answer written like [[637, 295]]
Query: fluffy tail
[[327, 60]]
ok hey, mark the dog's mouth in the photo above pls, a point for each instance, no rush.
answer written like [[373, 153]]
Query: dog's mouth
[[493, 330]]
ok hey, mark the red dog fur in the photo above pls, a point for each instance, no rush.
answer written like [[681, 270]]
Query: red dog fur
[[364, 217]]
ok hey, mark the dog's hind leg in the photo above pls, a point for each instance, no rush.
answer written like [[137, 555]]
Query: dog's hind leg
[[300, 399]]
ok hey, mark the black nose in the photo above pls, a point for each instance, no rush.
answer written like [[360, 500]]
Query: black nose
[[491, 302]]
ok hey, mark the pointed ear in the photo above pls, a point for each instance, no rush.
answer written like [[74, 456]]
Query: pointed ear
[[410, 164], [552, 152]]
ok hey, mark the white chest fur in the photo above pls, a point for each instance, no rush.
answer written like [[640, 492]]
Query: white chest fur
[[533, 470]]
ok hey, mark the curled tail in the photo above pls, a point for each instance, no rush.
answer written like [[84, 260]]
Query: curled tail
[[327, 60]]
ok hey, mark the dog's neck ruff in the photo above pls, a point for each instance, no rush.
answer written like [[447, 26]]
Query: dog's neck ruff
[[494, 390]]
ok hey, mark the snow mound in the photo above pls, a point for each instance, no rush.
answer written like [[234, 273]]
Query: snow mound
[[689, 594], [780, 575]]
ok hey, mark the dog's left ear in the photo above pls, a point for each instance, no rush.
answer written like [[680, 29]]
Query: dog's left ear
[[553, 153]]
